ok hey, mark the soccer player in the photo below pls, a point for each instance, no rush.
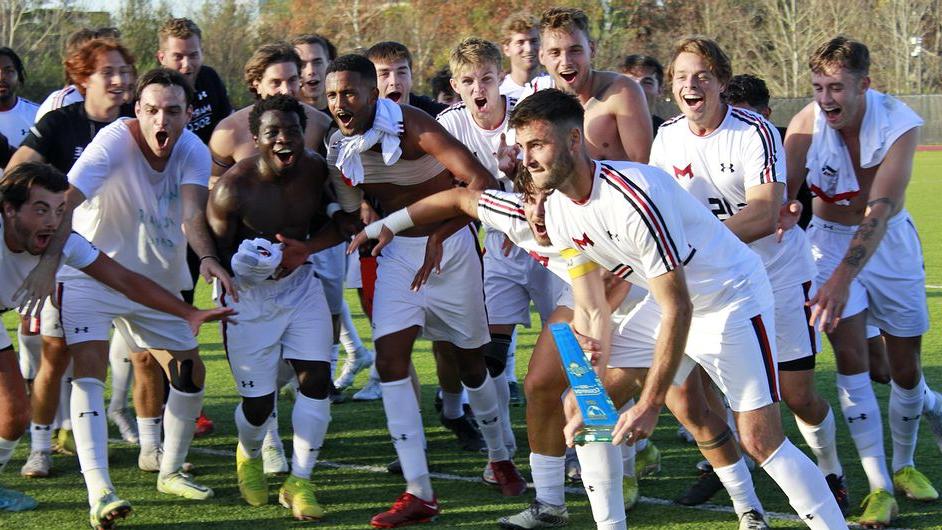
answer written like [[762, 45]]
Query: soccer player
[[398, 154], [690, 262], [101, 69], [855, 147], [393, 63], [17, 113], [520, 41], [262, 199], [649, 73], [316, 52], [440, 84], [33, 198], [142, 180], [732, 161]]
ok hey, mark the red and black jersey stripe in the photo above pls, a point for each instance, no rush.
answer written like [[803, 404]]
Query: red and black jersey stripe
[[501, 206], [763, 128]]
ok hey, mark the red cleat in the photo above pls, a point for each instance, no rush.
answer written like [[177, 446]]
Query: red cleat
[[507, 477], [204, 425], [408, 509]]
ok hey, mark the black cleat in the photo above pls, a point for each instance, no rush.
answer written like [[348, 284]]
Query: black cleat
[[469, 437], [839, 490], [706, 486]]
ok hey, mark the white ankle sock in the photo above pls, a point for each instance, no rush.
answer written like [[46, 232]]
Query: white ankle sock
[[40, 437], [122, 372], [148, 429], [250, 436], [488, 415], [90, 429], [549, 478], [602, 478], [738, 483], [6, 450], [862, 415], [805, 487], [905, 409], [405, 427], [822, 440], [272, 437], [309, 419], [349, 337], [179, 424], [451, 405]]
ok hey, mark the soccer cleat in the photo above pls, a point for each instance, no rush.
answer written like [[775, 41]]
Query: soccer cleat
[[469, 437], [14, 501], [934, 419], [648, 461], [37, 464], [506, 476], [371, 391], [65, 442], [274, 460], [880, 509], [685, 435], [252, 482], [336, 397], [630, 488], [298, 495], [353, 365], [839, 489], [149, 459], [488, 475], [394, 467], [706, 486], [537, 515], [126, 425], [753, 520], [516, 397], [108, 510], [182, 485], [914, 484], [408, 509], [204, 426]]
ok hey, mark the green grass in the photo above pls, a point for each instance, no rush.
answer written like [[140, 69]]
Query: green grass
[[358, 436]]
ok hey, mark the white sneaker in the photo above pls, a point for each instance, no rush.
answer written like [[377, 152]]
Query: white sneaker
[[370, 392], [37, 464], [274, 461], [538, 515], [126, 425], [353, 365], [149, 459]]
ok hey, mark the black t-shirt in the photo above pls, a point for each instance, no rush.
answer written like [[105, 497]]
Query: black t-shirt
[[62, 134], [212, 104], [427, 104]]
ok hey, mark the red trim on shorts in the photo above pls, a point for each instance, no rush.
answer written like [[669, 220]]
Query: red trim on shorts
[[806, 287], [60, 288], [767, 360], [368, 282]]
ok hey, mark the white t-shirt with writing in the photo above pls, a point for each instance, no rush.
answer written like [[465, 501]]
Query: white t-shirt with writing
[[132, 212]]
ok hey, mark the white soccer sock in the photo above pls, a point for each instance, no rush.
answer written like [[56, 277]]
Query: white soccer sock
[[805, 487], [451, 405], [309, 419], [931, 403], [602, 478], [862, 415], [349, 337], [148, 430], [510, 369], [90, 429], [6, 451], [179, 424], [250, 436], [738, 483], [30, 353], [487, 413], [628, 452], [63, 412], [40, 437], [272, 438], [549, 478], [122, 372], [822, 440], [334, 357], [405, 427], [905, 408], [503, 402]]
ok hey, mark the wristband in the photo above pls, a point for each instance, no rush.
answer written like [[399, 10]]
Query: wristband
[[396, 222], [208, 257], [332, 208]]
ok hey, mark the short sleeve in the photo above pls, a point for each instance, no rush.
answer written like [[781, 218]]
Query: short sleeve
[[762, 152], [92, 168], [654, 228], [42, 135], [503, 211], [198, 163], [79, 252]]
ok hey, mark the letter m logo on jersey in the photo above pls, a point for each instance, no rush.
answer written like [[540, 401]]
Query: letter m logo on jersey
[[685, 172], [584, 242], [543, 260]]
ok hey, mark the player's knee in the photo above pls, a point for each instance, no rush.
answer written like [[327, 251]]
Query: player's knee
[[257, 410], [184, 377], [495, 353], [799, 399], [540, 387], [314, 380], [759, 443]]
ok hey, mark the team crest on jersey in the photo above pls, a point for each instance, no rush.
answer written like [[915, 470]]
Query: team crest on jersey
[[685, 172], [584, 242]]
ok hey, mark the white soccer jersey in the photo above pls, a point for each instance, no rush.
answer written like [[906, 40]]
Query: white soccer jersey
[[744, 151], [639, 224], [58, 99], [15, 123], [132, 212], [15, 266], [484, 143], [509, 87]]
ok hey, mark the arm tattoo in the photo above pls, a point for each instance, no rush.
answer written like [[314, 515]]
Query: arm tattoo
[[867, 230], [855, 256]]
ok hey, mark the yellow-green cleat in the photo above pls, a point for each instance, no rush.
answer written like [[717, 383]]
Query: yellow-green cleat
[[630, 486], [65, 442], [108, 510], [298, 495], [183, 485], [880, 509], [252, 482], [648, 461], [914, 484]]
